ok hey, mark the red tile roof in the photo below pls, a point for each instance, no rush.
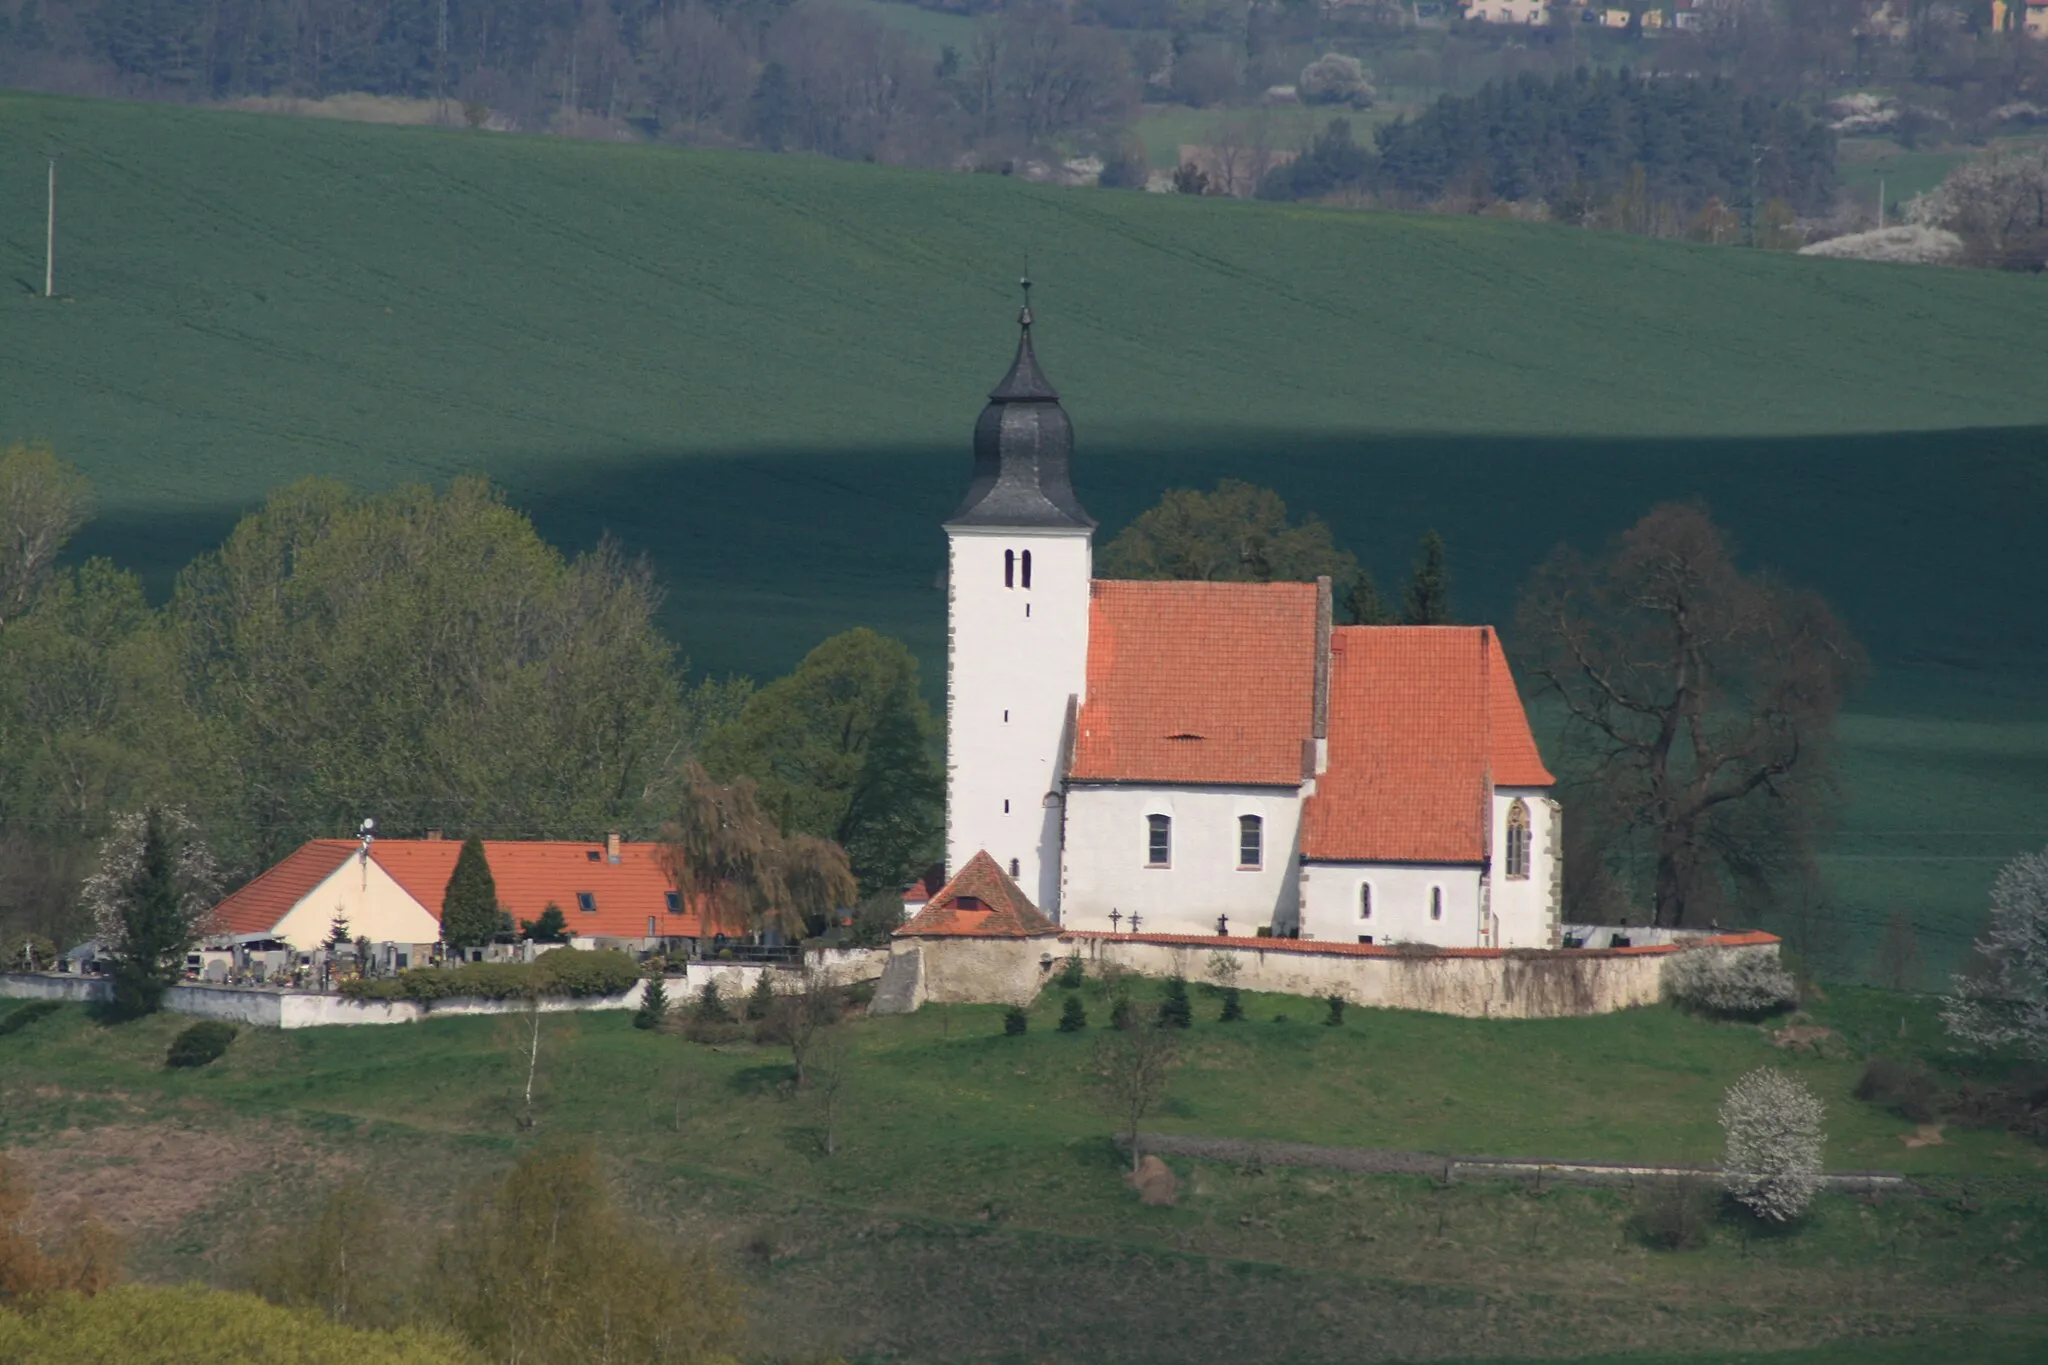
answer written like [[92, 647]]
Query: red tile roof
[[1421, 719], [530, 875], [980, 902], [257, 907], [1741, 938], [1205, 683]]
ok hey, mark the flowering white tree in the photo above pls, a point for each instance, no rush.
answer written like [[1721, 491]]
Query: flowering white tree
[[1721, 981], [2005, 1002], [1997, 203], [1771, 1163], [150, 900]]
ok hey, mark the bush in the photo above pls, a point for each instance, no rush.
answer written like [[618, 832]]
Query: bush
[[1073, 1015], [1730, 985], [1905, 1088], [565, 972], [201, 1043], [1771, 1163], [1175, 1011], [1335, 1018], [1672, 1215], [1072, 977], [1015, 1021], [28, 1014], [1233, 1006], [146, 1326], [714, 1031]]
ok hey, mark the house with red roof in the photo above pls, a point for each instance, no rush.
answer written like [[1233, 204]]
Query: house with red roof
[[1205, 758], [978, 938], [391, 890]]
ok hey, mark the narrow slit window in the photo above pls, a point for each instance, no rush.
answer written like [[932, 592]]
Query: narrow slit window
[[1009, 568], [1015, 867], [1006, 805], [1518, 841], [1251, 841], [1436, 902], [1026, 557], [586, 901], [1158, 840], [1365, 900]]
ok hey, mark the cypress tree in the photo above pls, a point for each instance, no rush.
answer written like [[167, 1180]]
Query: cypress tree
[[470, 916], [156, 933], [1175, 1011], [1073, 1015], [1428, 601]]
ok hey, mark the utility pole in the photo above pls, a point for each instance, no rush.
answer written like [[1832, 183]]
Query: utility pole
[[50, 239]]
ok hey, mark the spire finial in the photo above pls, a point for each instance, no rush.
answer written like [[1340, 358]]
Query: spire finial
[[1024, 318]]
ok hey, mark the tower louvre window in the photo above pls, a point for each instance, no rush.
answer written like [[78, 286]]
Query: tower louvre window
[[1009, 568], [1436, 902], [1026, 557], [1158, 840]]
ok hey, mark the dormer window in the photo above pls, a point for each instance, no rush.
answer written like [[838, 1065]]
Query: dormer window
[[968, 903], [586, 901], [592, 854]]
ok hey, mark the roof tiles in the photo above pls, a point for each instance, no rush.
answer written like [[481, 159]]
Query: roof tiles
[[257, 907], [980, 902]]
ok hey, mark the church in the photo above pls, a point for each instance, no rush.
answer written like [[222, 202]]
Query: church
[[1219, 759]]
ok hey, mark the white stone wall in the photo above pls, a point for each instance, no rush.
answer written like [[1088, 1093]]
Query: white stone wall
[[1330, 903], [1526, 909], [1000, 971], [377, 907], [1107, 851], [1015, 657]]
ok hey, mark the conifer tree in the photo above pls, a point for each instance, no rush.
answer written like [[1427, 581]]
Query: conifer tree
[[1428, 600], [156, 934], [653, 1003], [470, 916], [1175, 1011], [710, 1008], [1073, 1015], [1233, 1005], [1362, 603], [551, 927], [762, 998]]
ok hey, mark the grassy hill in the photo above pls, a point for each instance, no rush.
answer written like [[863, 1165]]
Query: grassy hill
[[974, 1212], [763, 370]]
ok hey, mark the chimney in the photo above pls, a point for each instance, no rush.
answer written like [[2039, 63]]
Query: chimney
[[433, 836], [611, 847]]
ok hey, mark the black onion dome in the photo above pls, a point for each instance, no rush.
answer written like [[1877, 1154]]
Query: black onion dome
[[1023, 445]]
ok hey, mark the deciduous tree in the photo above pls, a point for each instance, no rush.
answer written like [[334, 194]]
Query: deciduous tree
[[1133, 1067], [151, 897], [43, 501], [1774, 1129], [1238, 534], [727, 854], [2003, 1000]]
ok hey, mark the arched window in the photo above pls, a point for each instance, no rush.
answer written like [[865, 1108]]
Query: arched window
[[1251, 841], [1009, 568], [1365, 900], [1158, 841], [1436, 902], [1027, 568], [1518, 840]]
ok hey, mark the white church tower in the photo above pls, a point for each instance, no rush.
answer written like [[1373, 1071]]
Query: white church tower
[[1018, 569]]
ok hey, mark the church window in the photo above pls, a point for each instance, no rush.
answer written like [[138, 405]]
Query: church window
[[1158, 840], [1365, 900], [1251, 839], [1026, 565], [1009, 568], [1518, 840], [1436, 902]]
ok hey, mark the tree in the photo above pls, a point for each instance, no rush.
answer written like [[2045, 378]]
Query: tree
[[1898, 953], [43, 501], [725, 853], [1362, 604], [338, 936], [342, 1265], [1016, 1021], [1772, 1160], [1998, 204], [831, 1067], [86, 1261], [470, 916], [1073, 1015], [1237, 534], [1334, 78], [1233, 1006], [151, 897], [1331, 162], [761, 999], [1175, 1010], [842, 749], [1427, 602], [551, 927], [710, 1009], [653, 1009], [800, 1018], [2004, 1001], [1133, 1068], [1699, 704]]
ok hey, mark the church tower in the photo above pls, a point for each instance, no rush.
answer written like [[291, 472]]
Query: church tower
[[1019, 563]]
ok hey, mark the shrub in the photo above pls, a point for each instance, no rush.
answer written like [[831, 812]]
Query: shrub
[[1672, 1215], [1122, 1013], [653, 1003], [564, 972], [1233, 1005], [1071, 975], [1335, 1018], [1015, 1020], [1905, 1088], [713, 1031], [761, 999], [140, 1325], [1175, 1011], [1771, 1163], [28, 1014], [1730, 985], [1073, 1016], [200, 1043]]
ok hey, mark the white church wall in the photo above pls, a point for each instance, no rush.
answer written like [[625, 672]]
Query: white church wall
[[1015, 655], [1331, 903], [377, 907], [1526, 908], [1107, 850]]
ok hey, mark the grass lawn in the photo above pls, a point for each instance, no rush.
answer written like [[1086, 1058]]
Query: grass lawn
[[974, 1209]]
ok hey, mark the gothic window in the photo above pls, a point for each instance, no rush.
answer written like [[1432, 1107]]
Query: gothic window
[[1009, 568], [1365, 900], [1518, 840], [1158, 840], [1026, 558], [1251, 839], [1436, 902]]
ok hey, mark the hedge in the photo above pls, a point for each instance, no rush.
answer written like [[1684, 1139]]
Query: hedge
[[201, 1043], [564, 972]]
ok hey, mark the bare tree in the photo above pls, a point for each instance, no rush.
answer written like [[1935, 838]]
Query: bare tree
[[1133, 1067], [1772, 1161], [1700, 704], [42, 502], [1898, 953], [2003, 1002], [801, 1018], [695, 68], [831, 1065]]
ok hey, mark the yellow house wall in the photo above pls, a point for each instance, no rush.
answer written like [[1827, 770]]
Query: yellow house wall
[[378, 909]]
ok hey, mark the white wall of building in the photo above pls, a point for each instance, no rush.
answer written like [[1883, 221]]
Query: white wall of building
[[1015, 656], [1526, 908], [1107, 850], [1331, 904], [377, 907]]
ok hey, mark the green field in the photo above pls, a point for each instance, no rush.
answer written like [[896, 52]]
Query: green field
[[762, 372], [974, 1209]]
